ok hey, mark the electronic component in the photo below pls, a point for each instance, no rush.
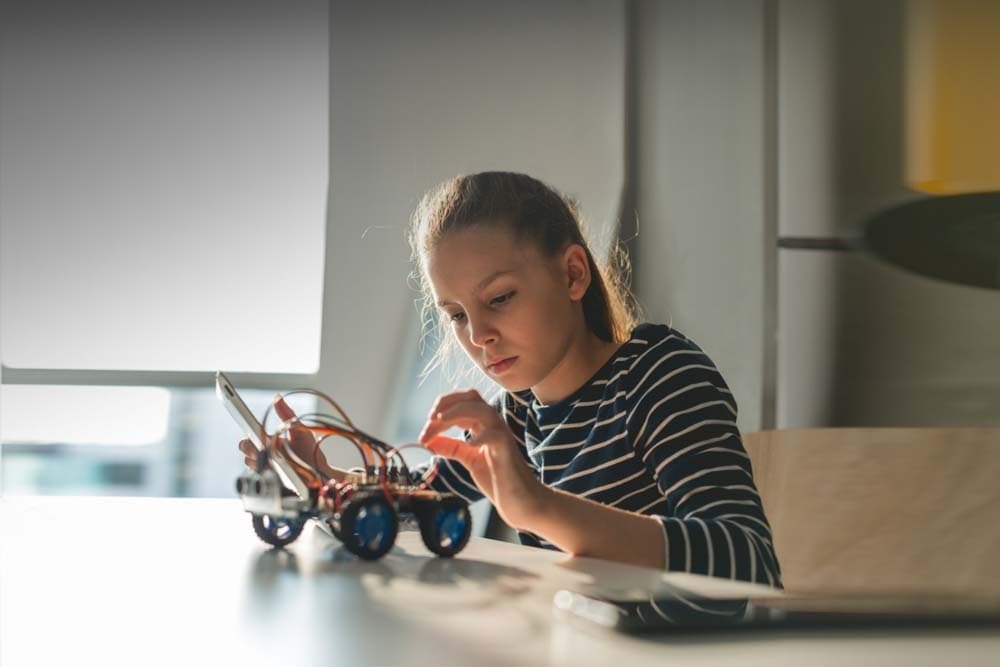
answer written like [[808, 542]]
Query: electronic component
[[364, 509]]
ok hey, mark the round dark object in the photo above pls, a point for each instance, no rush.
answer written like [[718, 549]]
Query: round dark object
[[955, 238], [368, 525], [445, 526], [277, 531]]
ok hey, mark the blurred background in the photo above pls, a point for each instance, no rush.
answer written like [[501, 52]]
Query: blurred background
[[194, 186]]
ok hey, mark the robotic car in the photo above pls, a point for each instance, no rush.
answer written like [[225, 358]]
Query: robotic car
[[364, 509]]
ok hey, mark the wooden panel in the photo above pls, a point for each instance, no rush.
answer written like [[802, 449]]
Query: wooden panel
[[883, 509]]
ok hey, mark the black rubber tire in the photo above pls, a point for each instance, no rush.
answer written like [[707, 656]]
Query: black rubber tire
[[376, 504], [277, 532], [335, 529], [430, 517]]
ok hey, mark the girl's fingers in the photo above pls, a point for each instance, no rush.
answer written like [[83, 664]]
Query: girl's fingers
[[447, 400], [450, 448], [247, 447], [436, 426], [299, 436], [251, 463], [470, 408], [470, 414], [282, 409], [493, 438], [462, 451]]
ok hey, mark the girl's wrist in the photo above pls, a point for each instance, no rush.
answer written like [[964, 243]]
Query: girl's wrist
[[540, 507]]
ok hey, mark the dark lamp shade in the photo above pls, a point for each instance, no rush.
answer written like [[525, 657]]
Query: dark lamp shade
[[953, 238]]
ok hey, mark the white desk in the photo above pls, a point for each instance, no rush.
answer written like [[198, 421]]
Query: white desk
[[186, 582]]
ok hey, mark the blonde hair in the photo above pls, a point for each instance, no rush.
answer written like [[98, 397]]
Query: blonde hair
[[534, 213]]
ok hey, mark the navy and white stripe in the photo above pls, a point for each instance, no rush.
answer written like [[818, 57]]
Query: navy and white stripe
[[654, 432]]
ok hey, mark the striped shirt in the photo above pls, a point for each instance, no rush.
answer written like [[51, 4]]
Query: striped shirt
[[653, 431]]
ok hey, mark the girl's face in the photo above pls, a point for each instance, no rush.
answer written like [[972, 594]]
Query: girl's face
[[514, 311]]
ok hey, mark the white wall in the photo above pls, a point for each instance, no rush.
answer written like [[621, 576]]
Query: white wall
[[701, 182], [422, 92]]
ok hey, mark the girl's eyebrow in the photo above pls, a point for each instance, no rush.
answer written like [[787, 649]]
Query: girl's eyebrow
[[483, 284]]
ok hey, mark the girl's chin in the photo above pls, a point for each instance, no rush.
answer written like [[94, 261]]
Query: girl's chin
[[512, 380], [511, 384]]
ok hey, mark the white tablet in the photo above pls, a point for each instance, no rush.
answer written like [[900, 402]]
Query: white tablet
[[246, 420]]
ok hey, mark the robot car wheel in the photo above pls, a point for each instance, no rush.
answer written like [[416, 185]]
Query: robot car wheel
[[277, 531], [445, 526], [368, 525]]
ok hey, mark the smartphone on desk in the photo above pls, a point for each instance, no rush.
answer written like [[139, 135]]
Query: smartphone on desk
[[254, 430], [681, 613]]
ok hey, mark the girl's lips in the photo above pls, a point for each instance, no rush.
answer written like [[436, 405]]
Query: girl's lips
[[501, 366]]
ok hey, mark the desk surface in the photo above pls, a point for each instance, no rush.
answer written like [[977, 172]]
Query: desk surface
[[183, 582]]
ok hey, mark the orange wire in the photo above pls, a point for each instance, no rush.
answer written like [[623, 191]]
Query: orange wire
[[368, 451], [350, 435], [350, 438], [313, 480]]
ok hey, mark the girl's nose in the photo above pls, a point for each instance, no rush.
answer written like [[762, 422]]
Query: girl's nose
[[482, 333]]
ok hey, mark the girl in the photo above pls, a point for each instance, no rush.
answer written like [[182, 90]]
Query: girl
[[609, 439]]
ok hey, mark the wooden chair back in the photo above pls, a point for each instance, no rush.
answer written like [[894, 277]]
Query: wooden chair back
[[882, 509]]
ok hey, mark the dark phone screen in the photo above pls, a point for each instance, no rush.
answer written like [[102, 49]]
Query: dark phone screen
[[681, 612]]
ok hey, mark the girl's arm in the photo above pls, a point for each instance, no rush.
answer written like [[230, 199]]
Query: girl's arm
[[576, 525], [582, 527], [714, 525], [683, 428]]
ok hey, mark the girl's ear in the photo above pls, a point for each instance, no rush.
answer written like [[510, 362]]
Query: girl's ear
[[577, 271]]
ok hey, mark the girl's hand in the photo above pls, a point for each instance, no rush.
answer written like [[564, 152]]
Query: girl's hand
[[303, 443], [490, 456], [250, 453], [300, 441]]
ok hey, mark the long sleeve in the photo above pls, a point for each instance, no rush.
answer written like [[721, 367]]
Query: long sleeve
[[451, 477], [683, 427]]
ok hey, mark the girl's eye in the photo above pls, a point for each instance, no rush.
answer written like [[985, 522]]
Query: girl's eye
[[502, 299], [456, 317]]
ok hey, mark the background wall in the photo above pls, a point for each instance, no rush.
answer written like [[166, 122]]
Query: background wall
[[862, 343], [717, 125], [422, 92], [701, 183]]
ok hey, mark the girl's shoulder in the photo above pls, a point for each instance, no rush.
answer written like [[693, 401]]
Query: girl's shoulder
[[656, 358], [652, 342], [662, 358]]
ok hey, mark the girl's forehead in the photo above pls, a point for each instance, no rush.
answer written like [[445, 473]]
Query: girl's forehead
[[478, 238], [461, 259]]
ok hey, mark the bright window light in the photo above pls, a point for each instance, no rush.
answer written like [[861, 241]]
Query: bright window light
[[163, 182], [42, 414]]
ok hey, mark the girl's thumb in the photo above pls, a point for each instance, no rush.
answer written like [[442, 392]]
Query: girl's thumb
[[450, 448]]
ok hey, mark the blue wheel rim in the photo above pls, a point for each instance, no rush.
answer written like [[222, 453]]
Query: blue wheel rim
[[279, 528], [451, 526], [373, 526]]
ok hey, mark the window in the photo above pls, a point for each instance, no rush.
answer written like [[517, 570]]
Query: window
[[163, 178], [131, 441]]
